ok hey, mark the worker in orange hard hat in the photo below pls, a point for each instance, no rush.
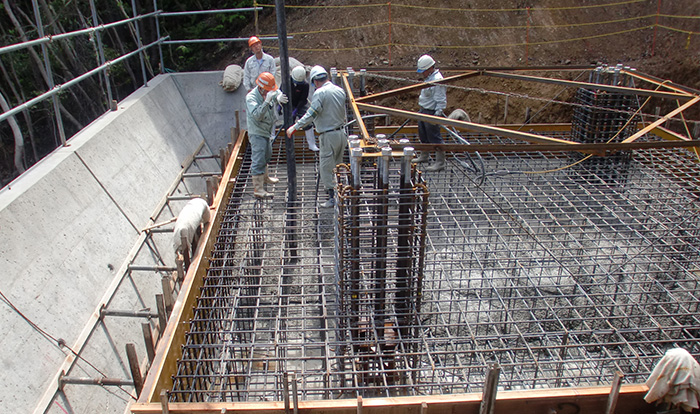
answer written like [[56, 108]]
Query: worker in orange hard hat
[[258, 63], [261, 103]]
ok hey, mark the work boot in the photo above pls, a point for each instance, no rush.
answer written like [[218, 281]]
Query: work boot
[[259, 187], [424, 157], [331, 200], [270, 180], [439, 162]]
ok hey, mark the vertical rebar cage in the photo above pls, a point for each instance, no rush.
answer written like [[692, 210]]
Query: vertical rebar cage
[[380, 245], [603, 117]]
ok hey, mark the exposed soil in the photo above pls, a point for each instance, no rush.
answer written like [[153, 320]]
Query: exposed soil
[[475, 29]]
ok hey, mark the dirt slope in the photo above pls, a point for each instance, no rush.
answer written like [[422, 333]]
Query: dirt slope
[[481, 33]]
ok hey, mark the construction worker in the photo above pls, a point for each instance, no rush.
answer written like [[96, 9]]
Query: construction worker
[[327, 112], [261, 104], [432, 101], [258, 63], [300, 102]]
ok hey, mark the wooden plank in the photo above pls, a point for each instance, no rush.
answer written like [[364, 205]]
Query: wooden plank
[[663, 119], [664, 133], [134, 367], [413, 129], [593, 147], [364, 135], [588, 399], [610, 88], [665, 83], [469, 126]]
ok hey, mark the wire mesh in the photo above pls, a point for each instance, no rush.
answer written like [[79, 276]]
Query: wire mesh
[[559, 276]]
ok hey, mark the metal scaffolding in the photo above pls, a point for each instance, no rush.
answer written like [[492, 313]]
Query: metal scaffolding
[[558, 278]]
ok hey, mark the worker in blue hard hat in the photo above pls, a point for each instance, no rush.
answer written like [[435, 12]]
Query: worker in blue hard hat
[[327, 112], [258, 63], [300, 102], [261, 105], [432, 101]]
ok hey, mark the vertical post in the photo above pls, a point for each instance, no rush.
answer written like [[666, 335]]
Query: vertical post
[[139, 43], [614, 393], [185, 246], [180, 264], [134, 367], [160, 45], [488, 398], [162, 315], [210, 190], [381, 243], [100, 51], [562, 357], [222, 160], [289, 141], [148, 340], [359, 404], [49, 74], [355, 273], [237, 128], [168, 299], [285, 389], [295, 396], [403, 251], [164, 402]]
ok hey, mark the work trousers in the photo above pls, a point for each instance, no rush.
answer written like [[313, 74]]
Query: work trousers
[[332, 146], [261, 153], [429, 133]]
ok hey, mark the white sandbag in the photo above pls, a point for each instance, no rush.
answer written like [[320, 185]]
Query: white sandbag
[[460, 115], [195, 212], [233, 76], [675, 380], [293, 63]]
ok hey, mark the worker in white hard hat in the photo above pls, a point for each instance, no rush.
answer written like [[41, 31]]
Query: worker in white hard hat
[[258, 63], [432, 101], [327, 112], [300, 103], [261, 105]]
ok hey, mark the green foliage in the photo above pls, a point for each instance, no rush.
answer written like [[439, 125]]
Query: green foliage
[[74, 56]]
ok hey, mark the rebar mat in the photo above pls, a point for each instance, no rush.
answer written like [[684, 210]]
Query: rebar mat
[[560, 276]]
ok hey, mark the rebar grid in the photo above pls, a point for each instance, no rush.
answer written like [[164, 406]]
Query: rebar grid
[[562, 277]]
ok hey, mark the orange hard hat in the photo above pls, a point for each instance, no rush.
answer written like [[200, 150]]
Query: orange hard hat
[[266, 81], [253, 40]]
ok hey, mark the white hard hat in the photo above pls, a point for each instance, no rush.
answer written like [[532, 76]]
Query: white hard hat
[[425, 62], [299, 73], [318, 72]]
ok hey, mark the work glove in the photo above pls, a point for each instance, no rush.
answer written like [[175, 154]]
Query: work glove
[[282, 98], [438, 112], [269, 97]]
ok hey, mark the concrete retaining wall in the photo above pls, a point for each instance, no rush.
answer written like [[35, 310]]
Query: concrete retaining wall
[[69, 224]]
